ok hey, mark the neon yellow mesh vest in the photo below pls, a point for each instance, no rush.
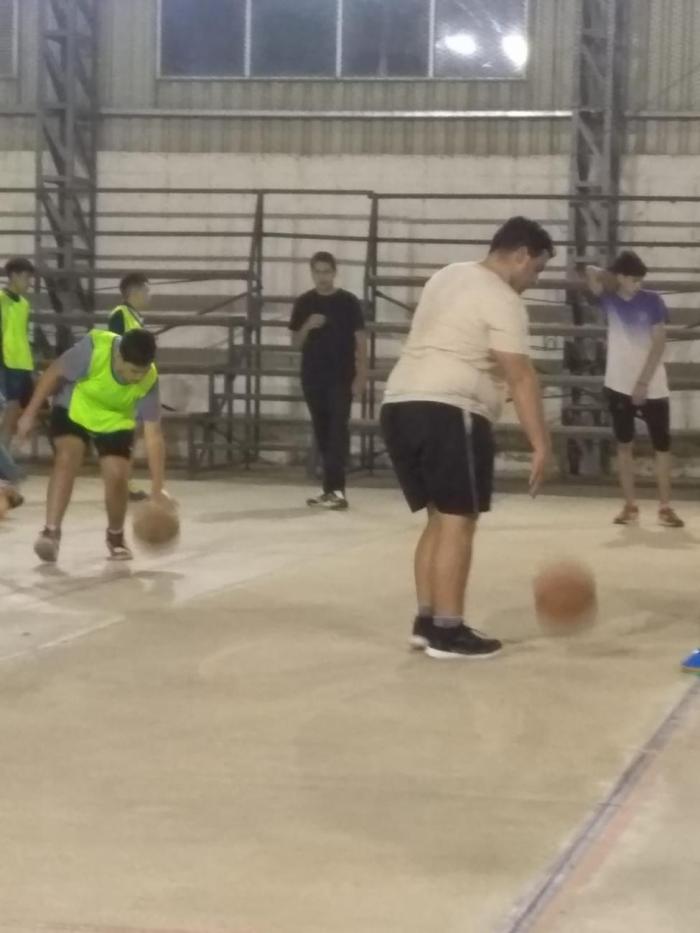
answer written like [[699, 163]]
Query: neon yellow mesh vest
[[16, 351], [131, 321], [101, 404]]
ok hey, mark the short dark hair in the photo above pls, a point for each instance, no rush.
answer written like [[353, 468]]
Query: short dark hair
[[138, 347], [323, 256], [18, 265], [629, 263], [519, 232], [132, 280]]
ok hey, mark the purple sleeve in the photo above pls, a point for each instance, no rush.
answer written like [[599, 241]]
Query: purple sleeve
[[660, 311], [148, 409], [75, 363]]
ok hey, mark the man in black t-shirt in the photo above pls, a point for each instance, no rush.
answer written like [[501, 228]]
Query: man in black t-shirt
[[328, 327]]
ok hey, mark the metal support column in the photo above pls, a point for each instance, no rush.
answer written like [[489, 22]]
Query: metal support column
[[369, 399], [66, 152], [598, 139]]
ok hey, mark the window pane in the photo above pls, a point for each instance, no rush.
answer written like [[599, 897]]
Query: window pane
[[293, 37], [7, 37], [481, 38], [386, 38], [202, 38]]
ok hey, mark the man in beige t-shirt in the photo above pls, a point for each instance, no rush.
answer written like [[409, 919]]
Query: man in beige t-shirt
[[468, 344]]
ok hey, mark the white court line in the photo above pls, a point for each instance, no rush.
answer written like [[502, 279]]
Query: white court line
[[63, 640]]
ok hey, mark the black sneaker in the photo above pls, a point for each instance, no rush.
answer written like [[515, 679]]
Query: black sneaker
[[335, 501], [461, 642], [422, 630]]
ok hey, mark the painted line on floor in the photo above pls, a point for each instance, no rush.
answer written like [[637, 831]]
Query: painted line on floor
[[536, 903]]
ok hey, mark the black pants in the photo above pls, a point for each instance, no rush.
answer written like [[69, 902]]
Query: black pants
[[329, 406]]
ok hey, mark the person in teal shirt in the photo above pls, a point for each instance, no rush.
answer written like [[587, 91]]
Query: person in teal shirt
[[100, 387]]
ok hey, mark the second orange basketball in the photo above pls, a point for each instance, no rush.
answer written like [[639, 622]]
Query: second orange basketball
[[565, 594]]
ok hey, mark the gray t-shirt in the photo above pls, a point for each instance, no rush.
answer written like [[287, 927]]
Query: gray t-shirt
[[75, 365]]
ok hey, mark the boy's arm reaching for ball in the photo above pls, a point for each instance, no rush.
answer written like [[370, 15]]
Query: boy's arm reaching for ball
[[155, 456], [149, 411]]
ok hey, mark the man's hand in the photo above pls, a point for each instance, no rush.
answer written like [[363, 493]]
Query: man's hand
[[315, 321], [639, 395], [25, 426], [538, 468]]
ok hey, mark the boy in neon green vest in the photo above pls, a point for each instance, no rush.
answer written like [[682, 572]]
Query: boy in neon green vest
[[100, 387], [136, 297], [16, 359]]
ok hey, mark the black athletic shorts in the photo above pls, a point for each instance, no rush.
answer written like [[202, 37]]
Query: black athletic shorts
[[16, 385], [655, 412], [116, 444], [442, 455]]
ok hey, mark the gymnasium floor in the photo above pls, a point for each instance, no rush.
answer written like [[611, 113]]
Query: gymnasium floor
[[234, 738]]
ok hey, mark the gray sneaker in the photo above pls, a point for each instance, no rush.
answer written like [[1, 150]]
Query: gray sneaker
[[46, 546]]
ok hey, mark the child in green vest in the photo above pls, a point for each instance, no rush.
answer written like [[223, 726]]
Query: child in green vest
[[136, 297], [101, 386], [16, 359]]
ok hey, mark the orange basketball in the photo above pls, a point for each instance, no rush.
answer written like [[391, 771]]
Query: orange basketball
[[565, 594], [156, 525]]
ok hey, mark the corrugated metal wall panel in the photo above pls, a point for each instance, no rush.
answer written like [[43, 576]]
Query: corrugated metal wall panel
[[28, 51], [665, 75], [8, 93], [17, 134], [128, 53], [20, 91], [336, 137], [665, 72], [128, 81]]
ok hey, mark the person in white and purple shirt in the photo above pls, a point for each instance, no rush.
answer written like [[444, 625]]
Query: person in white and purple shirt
[[635, 377]]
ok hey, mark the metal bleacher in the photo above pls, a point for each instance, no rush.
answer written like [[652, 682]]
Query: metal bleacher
[[251, 407]]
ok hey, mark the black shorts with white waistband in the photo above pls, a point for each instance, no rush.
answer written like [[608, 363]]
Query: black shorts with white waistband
[[442, 455]]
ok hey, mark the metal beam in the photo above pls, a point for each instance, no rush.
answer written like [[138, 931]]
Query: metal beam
[[66, 155], [597, 145]]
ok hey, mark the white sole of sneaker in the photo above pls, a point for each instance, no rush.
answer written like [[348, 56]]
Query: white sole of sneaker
[[418, 643], [455, 656]]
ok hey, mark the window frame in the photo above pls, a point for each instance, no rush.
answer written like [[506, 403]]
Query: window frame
[[246, 77], [13, 73]]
